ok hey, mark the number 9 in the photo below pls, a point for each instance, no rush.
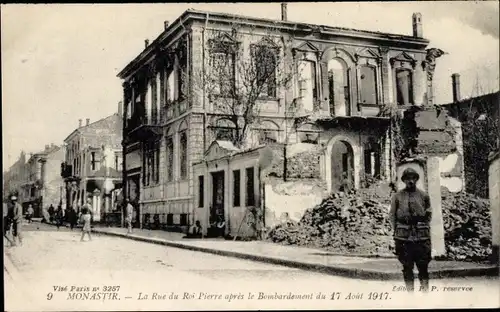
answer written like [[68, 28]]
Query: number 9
[[49, 296]]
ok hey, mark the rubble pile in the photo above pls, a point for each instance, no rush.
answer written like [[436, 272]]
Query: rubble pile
[[358, 223], [467, 226], [347, 223]]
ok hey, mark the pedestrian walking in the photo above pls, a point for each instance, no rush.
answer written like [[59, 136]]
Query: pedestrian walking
[[51, 213], [411, 215], [59, 217], [15, 216], [29, 213], [129, 214], [7, 223], [85, 220], [72, 218]]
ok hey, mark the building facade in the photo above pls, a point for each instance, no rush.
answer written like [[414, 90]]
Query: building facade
[[92, 165], [43, 185], [342, 82], [15, 176]]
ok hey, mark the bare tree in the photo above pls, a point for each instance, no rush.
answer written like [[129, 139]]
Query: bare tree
[[237, 80]]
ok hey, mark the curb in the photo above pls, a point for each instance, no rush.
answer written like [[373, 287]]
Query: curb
[[365, 274]]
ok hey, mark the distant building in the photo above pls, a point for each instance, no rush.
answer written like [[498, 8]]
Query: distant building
[[43, 185], [92, 165], [480, 119], [15, 176]]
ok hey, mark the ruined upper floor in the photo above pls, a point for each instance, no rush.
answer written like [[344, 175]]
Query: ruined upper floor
[[329, 71]]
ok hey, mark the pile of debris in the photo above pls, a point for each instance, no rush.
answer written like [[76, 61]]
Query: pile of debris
[[358, 223], [302, 163], [467, 225], [350, 223]]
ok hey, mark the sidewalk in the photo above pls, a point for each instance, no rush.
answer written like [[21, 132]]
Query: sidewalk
[[303, 258]]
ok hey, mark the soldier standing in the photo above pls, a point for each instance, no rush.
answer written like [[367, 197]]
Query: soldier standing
[[410, 217], [15, 215]]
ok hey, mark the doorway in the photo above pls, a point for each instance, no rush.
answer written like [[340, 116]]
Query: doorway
[[342, 166], [217, 220]]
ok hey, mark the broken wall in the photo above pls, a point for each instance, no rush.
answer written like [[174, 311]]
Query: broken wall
[[437, 134]]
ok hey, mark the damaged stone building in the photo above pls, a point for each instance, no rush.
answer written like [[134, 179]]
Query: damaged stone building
[[346, 84], [480, 120]]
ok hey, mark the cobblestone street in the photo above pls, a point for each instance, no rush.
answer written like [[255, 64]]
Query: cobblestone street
[[51, 258]]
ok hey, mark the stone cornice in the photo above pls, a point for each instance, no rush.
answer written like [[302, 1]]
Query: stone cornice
[[183, 23]]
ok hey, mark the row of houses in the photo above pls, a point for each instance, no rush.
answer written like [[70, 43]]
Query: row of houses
[[203, 100], [86, 165]]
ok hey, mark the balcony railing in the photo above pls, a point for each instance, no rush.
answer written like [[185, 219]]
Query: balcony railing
[[66, 170]]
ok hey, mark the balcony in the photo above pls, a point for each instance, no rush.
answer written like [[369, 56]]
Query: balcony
[[66, 170], [139, 129]]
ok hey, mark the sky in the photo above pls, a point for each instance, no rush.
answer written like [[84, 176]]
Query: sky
[[59, 62]]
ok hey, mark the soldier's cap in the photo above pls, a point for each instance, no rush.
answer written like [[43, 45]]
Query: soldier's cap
[[410, 173]]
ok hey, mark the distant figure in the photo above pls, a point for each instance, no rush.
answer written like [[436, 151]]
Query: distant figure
[[29, 213], [129, 210], [59, 217], [85, 220], [72, 218], [7, 223], [15, 216], [87, 205], [51, 213], [411, 215], [195, 231]]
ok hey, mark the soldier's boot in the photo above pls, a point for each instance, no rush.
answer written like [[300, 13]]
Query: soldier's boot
[[410, 285], [424, 285], [409, 279], [423, 275]]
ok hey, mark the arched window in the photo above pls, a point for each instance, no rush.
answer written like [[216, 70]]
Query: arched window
[[224, 130], [404, 86], [268, 132], [339, 89], [308, 133]]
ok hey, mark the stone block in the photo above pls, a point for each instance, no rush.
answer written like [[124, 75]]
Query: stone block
[[434, 191]]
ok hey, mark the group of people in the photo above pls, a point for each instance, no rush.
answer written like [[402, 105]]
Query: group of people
[[13, 215]]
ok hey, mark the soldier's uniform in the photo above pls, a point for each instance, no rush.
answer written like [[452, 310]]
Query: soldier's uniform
[[410, 216]]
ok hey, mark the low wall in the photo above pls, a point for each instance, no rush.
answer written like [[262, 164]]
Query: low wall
[[290, 200]]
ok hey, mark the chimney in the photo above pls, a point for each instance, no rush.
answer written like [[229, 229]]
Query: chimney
[[47, 147], [146, 43], [79, 123], [455, 80], [283, 11], [165, 24], [120, 108], [87, 122], [417, 25]]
